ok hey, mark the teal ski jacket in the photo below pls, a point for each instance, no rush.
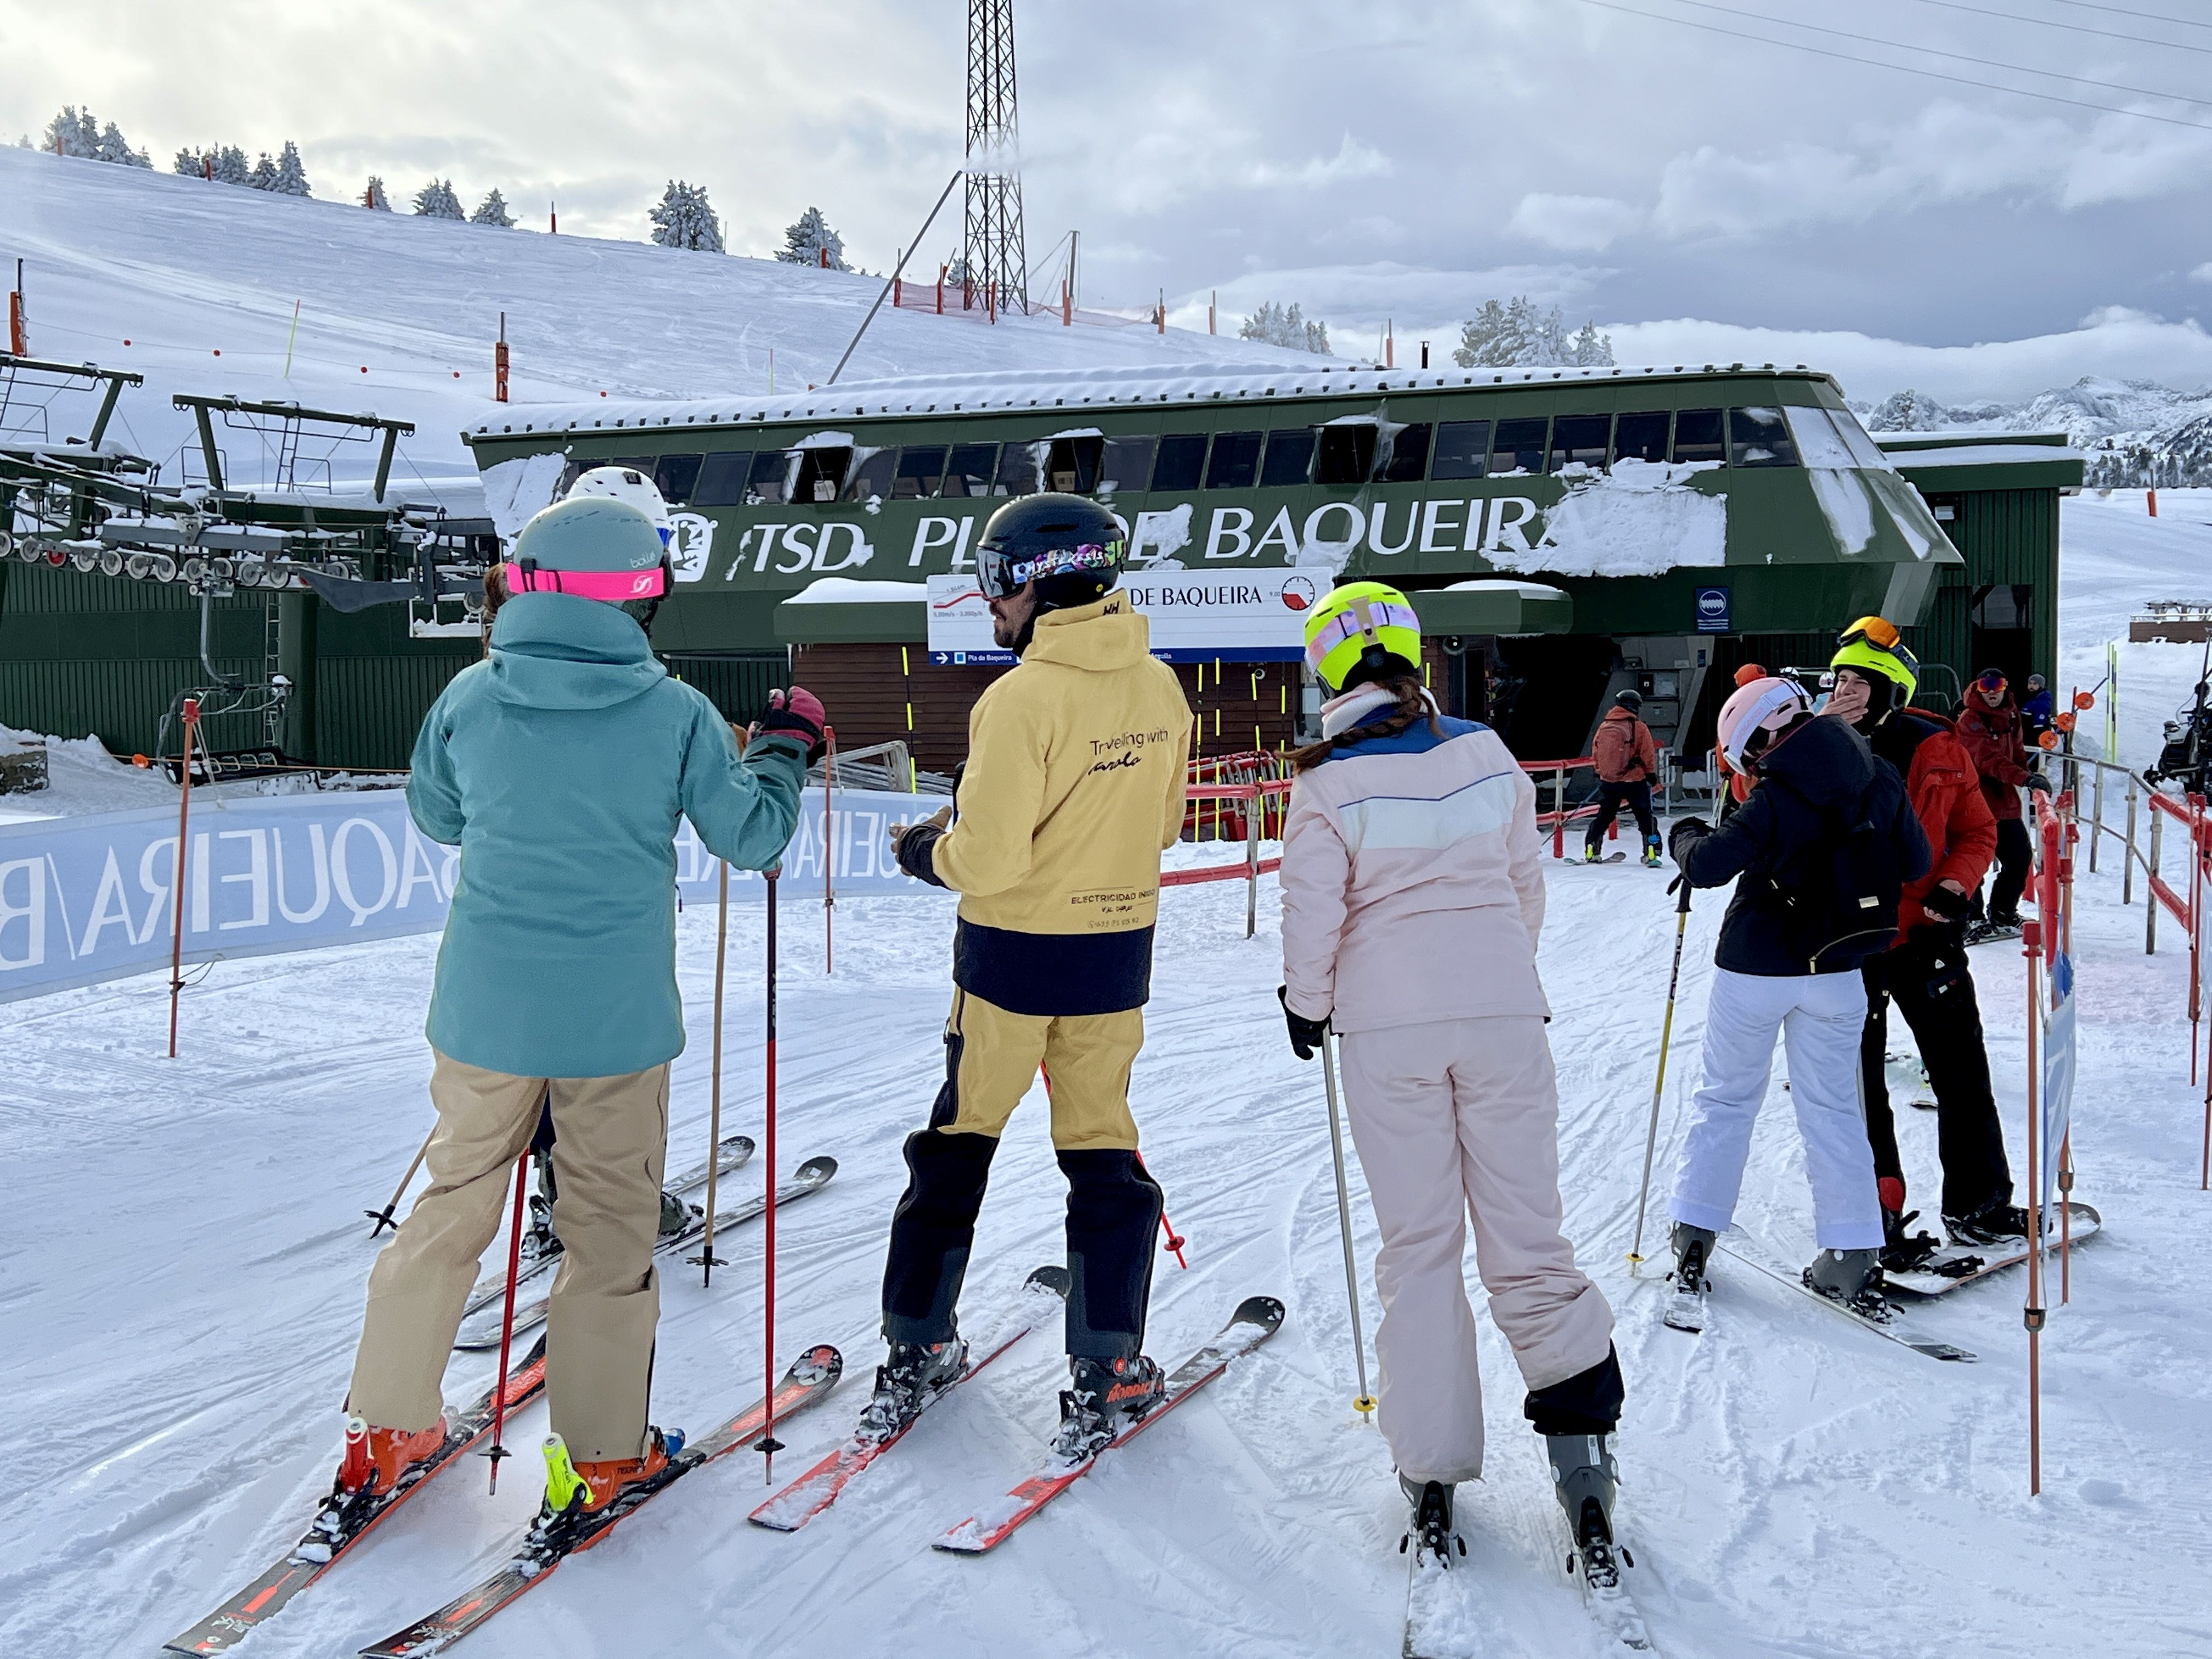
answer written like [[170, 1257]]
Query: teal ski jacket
[[559, 767]]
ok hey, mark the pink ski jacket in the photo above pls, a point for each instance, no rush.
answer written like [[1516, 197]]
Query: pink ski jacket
[[1412, 886]]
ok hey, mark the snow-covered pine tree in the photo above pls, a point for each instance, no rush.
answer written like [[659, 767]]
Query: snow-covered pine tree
[[803, 242], [436, 200], [492, 211], [1284, 326], [189, 164], [373, 196], [1591, 349], [230, 167], [71, 133], [115, 148], [291, 174], [264, 176], [685, 218], [1518, 334]]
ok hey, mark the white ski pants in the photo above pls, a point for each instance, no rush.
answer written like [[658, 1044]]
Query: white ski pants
[[1452, 1118], [1820, 1016]]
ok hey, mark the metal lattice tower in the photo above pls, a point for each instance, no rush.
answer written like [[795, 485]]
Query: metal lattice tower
[[996, 250]]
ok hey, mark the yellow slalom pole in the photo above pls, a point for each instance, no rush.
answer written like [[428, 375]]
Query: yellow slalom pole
[[1659, 1087]]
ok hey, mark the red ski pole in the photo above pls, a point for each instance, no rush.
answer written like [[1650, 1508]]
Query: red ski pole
[[507, 1320], [769, 1444], [829, 848], [1175, 1241]]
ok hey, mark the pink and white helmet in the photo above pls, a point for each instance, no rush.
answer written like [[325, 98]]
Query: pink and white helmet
[[1754, 713]]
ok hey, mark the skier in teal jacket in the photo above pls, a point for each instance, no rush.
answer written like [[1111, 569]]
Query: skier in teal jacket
[[561, 767]]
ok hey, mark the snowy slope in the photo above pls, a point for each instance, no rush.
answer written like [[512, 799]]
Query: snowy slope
[[183, 270]]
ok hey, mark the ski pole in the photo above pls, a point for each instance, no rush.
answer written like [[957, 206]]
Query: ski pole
[[1365, 1404], [705, 1259], [828, 850], [769, 1445], [177, 885], [1666, 1032], [1173, 1242], [507, 1320], [383, 1217]]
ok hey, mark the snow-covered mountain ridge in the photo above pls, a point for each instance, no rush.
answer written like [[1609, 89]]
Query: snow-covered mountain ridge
[[2135, 432]]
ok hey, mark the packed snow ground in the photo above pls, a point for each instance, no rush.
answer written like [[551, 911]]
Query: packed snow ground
[[398, 314], [183, 1256]]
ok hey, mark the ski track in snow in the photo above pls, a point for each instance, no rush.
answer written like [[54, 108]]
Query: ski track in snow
[[183, 1254]]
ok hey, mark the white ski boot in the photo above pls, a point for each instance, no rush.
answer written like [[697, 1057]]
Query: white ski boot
[[1694, 1248]]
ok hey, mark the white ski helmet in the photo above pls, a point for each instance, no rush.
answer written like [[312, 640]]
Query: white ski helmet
[[626, 484], [1754, 714]]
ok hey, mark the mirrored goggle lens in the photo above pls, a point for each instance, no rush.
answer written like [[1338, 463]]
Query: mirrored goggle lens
[[1877, 631], [994, 573], [1991, 682]]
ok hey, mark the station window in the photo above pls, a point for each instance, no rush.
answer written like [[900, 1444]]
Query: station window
[[920, 467], [1127, 463], [1347, 455], [1235, 462], [968, 469], [1289, 457], [640, 463], [1698, 435], [1018, 470], [1641, 436], [1072, 467], [764, 486], [1518, 446], [821, 473], [675, 476], [872, 478], [1580, 438], [1462, 447], [1182, 459], [1817, 440], [1409, 454], [722, 479], [1758, 437], [569, 474]]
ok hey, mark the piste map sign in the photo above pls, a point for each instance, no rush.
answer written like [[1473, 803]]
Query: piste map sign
[[1195, 615]]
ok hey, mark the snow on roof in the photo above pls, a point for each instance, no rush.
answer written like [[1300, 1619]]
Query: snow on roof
[[1984, 455], [1123, 385], [1500, 584], [846, 590]]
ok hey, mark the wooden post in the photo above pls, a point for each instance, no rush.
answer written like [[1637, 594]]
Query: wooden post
[[498, 363], [1252, 873], [941, 290], [177, 894]]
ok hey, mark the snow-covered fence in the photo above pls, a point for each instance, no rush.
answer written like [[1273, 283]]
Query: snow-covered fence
[[87, 898]]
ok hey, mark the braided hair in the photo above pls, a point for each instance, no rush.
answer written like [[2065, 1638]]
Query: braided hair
[[1413, 707]]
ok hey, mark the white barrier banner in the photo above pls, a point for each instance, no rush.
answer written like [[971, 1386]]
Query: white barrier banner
[[86, 899], [2058, 1047]]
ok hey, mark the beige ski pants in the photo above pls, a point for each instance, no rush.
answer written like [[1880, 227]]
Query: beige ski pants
[[612, 1142], [1455, 1118]]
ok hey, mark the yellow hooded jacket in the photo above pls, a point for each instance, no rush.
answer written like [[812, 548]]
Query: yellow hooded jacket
[[1075, 786]]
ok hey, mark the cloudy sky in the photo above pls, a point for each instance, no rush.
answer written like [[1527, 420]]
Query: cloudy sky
[[1661, 166]]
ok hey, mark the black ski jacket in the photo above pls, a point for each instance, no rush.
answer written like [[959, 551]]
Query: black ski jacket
[[1830, 777]]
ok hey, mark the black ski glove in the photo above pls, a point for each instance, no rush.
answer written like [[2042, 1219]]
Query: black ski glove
[[914, 845], [1305, 1034], [1945, 905], [1686, 834], [2039, 784]]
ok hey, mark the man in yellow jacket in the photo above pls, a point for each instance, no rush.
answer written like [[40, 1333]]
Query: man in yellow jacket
[[1073, 787]]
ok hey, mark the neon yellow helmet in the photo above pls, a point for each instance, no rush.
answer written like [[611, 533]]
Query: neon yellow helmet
[[1361, 631], [1874, 645]]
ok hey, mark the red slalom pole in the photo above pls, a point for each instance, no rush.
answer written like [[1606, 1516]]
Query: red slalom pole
[[177, 893], [769, 1445], [829, 848], [507, 1320]]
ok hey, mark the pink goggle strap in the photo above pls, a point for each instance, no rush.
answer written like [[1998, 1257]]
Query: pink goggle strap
[[613, 585]]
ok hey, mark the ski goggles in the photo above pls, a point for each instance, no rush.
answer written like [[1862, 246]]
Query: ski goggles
[[1002, 574], [1362, 619], [1877, 631], [613, 585], [1989, 681]]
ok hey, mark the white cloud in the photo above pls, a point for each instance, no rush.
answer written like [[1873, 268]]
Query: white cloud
[[2112, 342], [1352, 161], [2201, 273], [1573, 224]]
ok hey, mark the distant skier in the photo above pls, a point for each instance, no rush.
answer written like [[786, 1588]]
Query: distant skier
[[1627, 761], [1991, 728], [1411, 852], [1074, 784], [1819, 854], [561, 767], [1926, 972], [2035, 710]]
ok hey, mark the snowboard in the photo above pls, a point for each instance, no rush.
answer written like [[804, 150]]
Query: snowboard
[[1963, 1264]]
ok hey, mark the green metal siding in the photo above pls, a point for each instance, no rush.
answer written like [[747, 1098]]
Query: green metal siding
[[739, 685]]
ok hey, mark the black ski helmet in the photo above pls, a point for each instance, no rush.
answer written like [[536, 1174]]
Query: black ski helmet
[[1632, 700], [1073, 550]]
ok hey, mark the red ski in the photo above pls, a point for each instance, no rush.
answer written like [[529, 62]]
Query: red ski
[[1043, 1295], [1256, 1319], [811, 1376], [344, 1521]]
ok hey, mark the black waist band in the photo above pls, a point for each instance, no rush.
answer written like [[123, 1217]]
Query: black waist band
[[1051, 973]]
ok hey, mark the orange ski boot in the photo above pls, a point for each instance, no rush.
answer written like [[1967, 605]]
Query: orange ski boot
[[378, 1460], [572, 1488]]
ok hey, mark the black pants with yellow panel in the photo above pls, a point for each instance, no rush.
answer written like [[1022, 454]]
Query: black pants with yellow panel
[[991, 1058]]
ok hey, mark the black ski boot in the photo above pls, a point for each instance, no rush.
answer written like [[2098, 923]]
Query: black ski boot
[[1693, 1249], [1904, 1252], [1852, 1277], [1995, 1222], [1583, 1478], [910, 1374], [1105, 1397], [675, 1215], [1429, 1529]]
